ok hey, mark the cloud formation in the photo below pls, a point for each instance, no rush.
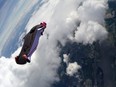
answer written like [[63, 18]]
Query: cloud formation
[[66, 58], [72, 68], [90, 32], [91, 16]]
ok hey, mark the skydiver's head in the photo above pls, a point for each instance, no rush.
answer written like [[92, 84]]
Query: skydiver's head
[[43, 24]]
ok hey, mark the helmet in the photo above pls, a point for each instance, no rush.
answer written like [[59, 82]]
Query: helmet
[[43, 24]]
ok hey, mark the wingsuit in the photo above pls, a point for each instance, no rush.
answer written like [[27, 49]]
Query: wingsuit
[[31, 41]]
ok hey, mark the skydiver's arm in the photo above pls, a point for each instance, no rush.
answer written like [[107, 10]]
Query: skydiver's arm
[[34, 28]]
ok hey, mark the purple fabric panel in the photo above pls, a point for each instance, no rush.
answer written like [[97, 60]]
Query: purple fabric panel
[[35, 43]]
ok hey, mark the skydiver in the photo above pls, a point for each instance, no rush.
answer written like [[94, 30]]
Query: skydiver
[[30, 43]]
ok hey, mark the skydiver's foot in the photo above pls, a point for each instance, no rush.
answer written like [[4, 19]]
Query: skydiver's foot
[[26, 58], [16, 58]]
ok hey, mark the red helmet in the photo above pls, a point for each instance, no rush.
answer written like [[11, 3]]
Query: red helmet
[[43, 24]]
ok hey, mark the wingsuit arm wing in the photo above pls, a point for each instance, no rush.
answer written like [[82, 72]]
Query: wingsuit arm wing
[[34, 28]]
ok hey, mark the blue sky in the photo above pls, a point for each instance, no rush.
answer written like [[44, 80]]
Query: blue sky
[[2, 3], [13, 19], [6, 26]]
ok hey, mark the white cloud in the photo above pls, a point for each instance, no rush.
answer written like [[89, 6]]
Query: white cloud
[[90, 32], [72, 68], [91, 15], [66, 58], [92, 10]]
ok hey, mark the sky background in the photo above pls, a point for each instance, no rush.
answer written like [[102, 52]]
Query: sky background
[[13, 19], [80, 21]]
